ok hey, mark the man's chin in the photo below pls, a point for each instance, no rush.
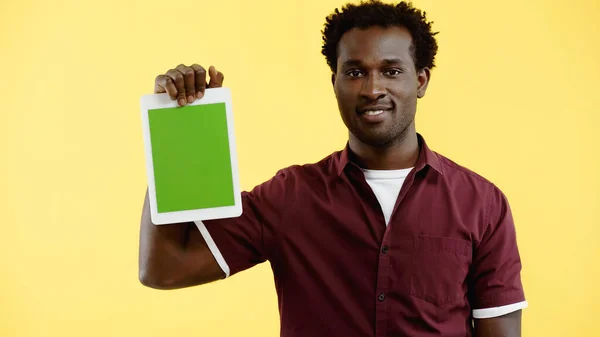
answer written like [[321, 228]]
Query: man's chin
[[376, 139]]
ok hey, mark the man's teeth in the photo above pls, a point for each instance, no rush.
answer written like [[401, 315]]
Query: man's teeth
[[374, 112]]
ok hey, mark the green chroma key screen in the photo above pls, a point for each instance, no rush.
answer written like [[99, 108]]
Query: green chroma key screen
[[190, 152]]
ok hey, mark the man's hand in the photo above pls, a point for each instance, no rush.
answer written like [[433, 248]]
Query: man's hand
[[186, 84]]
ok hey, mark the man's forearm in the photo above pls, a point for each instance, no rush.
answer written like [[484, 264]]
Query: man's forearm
[[159, 246], [502, 326]]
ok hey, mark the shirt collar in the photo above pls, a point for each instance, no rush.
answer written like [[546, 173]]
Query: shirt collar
[[426, 158]]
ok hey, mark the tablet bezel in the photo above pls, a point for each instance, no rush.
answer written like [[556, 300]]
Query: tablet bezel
[[162, 101]]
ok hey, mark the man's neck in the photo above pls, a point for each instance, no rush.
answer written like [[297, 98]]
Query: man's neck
[[399, 155]]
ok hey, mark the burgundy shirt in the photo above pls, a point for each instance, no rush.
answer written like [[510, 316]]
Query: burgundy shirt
[[449, 248]]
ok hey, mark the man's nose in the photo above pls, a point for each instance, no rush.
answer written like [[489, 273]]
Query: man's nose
[[373, 87]]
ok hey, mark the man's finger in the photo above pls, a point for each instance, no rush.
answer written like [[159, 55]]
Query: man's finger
[[200, 74], [163, 83], [177, 78], [188, 79], [216, 78], [190, 85]]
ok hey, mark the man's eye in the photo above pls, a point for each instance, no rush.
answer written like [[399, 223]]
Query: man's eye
[[393, 72], [353, 73]]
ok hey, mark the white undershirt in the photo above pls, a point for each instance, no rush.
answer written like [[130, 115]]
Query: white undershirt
[[386, 185]]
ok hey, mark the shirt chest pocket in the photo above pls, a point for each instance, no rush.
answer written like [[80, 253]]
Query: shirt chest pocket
[[439, 269]]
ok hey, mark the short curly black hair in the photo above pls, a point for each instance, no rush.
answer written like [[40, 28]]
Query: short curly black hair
[[376, 13]]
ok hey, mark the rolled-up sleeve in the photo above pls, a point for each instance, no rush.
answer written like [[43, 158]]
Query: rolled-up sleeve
[[495, 284], [242, 242]]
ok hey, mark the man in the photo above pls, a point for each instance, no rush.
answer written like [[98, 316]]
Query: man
[[383, 238]]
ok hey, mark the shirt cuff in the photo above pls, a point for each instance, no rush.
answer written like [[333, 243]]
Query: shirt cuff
[[213, 248], [499, 311]]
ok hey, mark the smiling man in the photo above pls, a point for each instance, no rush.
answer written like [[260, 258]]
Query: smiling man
[[383, 238]]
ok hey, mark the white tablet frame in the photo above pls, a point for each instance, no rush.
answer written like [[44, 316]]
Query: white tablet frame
[[160, 101]]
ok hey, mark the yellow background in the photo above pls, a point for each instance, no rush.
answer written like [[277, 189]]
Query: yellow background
[[515, 97]]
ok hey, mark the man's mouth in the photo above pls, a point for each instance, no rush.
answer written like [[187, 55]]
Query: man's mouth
[[375, 114], [374, 110]]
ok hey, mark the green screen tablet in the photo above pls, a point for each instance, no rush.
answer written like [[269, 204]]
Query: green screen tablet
[[191, 160]]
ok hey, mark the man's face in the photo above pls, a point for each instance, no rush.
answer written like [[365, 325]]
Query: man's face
[[376, 84]]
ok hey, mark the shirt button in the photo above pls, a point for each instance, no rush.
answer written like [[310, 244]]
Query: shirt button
[[385, 249], [381, 297]]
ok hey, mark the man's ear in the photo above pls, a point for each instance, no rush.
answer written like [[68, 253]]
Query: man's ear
[[423, 78], [333, 79]]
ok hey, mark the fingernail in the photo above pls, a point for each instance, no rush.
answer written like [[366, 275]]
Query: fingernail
[[200, 94], [190, 99], [181, 101]]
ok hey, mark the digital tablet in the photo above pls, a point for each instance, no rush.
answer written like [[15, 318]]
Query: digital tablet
[[191, 160]]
